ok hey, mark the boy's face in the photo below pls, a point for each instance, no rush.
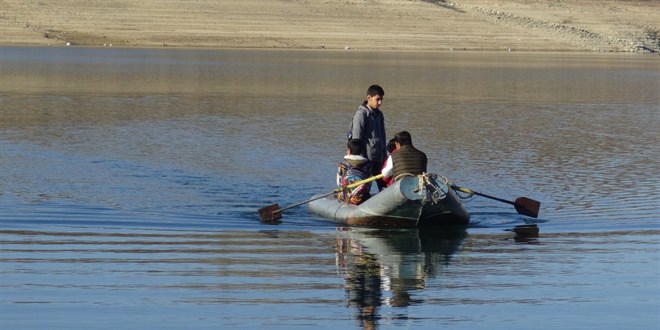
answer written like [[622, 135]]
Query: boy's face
[[375, 101]]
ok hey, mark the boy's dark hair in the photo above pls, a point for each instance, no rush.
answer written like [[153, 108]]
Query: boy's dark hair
[[355, 146], [391, 145], [403, 138], [375, 90]]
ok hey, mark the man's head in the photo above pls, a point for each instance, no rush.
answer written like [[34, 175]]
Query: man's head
[[375, 96], [355, 147], [403, 138]]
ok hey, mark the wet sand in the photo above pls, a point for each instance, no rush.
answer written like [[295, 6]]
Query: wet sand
[[475, 25]]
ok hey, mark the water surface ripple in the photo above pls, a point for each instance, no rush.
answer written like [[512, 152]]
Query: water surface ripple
[[130, 181]]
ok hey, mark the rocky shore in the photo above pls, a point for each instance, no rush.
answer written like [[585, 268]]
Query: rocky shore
[[434, 25]]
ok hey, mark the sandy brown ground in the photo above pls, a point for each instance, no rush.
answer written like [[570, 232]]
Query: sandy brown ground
[[525, 25]]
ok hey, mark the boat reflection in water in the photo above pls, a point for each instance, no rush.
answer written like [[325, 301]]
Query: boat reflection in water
[[383, 267]]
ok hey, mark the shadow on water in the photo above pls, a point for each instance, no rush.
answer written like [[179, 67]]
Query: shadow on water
[[384, 267]]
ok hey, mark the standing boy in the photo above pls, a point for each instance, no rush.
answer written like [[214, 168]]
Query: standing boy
[[369, 127]]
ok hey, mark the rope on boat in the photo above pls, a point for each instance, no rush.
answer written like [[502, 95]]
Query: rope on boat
[[435, 191]]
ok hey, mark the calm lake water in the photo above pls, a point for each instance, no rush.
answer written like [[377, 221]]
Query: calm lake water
[[130, 182]]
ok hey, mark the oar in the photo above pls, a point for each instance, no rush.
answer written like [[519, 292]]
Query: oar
[[525, 206], [273, 212]]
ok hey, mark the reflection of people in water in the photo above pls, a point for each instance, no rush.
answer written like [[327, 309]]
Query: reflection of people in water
[[383, 267], [361, 271]]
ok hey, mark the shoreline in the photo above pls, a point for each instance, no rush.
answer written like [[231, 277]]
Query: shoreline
[[337, 50], [592, 26], [334, 50]]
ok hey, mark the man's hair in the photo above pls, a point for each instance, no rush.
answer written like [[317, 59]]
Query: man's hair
[[403, 138], [355, 146], [375, 90]]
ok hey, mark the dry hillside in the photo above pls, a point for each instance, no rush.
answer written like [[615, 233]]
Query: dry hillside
[[528, 25]]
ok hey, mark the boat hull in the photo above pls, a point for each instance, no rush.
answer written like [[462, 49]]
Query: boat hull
[[413, 201]]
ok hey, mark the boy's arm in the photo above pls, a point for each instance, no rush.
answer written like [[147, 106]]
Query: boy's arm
[[358, 125], [388, 168]]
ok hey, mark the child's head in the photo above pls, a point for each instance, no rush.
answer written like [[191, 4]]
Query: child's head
[[355, 147], [391, 145]]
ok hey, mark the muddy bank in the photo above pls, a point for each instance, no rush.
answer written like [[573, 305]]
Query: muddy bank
[[496, 25]]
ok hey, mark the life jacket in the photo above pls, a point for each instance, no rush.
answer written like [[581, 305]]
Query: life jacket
[[408, 160]]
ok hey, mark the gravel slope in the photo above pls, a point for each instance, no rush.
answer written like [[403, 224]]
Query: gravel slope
[[482, 25]]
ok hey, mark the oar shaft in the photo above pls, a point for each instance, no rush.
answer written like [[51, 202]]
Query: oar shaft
[[470, 191], [350, 186], [495, 198], [304, 202], [355, 184], [523, 205]]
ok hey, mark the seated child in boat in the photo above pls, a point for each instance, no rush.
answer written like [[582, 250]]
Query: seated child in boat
[[355, 167]]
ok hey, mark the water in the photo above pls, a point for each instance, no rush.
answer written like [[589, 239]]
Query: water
[[131, 178]]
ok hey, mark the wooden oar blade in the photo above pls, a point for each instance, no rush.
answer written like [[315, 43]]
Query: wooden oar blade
[[527, 206], [269, 214]]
